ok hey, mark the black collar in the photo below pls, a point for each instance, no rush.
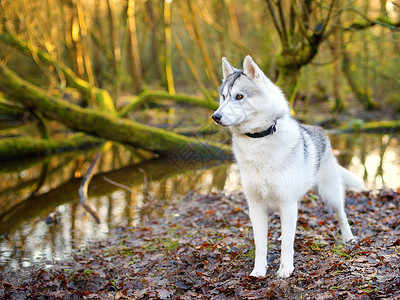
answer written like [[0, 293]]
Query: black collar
[[261, 134]]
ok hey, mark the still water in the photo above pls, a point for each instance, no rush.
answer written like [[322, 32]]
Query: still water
[[41, 220]]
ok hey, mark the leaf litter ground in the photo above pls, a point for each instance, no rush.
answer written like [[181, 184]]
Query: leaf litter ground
[[203, 249]]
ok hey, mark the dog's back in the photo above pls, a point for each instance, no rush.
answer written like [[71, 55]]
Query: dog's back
[[320, 142]]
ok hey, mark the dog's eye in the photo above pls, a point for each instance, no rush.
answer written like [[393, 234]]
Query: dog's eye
[[239, 97], [223, 97]]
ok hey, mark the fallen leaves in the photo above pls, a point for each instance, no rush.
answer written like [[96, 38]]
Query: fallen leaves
[[203, 249]]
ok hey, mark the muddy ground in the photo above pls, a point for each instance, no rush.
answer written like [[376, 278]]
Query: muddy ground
[[203, 249]]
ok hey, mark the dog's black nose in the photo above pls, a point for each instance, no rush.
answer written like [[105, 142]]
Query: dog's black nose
[[216, 117]]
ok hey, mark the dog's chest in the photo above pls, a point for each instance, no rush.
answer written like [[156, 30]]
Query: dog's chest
[[258, 156], [261, 172]]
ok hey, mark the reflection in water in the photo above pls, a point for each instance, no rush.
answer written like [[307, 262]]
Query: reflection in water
[[32, 190], [375, 158]]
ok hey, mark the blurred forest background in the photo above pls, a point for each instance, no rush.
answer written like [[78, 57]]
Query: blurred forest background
[[116, 57]]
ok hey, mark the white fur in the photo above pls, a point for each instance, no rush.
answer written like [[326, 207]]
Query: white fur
[[274, 174]]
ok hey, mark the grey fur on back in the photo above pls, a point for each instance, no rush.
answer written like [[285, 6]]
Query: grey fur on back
[[318, 138]]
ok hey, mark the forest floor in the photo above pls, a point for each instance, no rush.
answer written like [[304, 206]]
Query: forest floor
[[203, 249]]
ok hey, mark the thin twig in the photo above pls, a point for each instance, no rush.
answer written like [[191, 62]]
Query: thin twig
[[191, 65], [328, 17], [275, 21], [201, 43], [118, 184], [282, 19], [91, 212], [302, 27], [84, 187]]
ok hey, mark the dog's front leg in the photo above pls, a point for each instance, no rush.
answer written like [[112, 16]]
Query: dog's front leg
[[288, 226], [259, 221]]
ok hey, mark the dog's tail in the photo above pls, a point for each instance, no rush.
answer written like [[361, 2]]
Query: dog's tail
[[350, 180]]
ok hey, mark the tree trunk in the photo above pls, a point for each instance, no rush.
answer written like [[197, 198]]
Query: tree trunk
[[18, 147], [289, 63], [339, 104], [104, 125], [134, 57], [155, 52], [116, 49], [287, 81], [362, 96], [168, 48]]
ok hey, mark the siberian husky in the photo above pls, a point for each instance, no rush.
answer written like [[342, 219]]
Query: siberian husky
[[279, 159]]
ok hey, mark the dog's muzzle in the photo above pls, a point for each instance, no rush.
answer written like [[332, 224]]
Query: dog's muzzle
[[217, 118]]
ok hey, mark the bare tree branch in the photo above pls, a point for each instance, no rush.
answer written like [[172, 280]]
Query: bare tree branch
[[276, 23], [328, 17], [360, 25], [282, 19], [84, 187], [302, 27]]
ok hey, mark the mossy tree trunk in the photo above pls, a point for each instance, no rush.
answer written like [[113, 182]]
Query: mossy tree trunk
[[299, 41], [335, 46], [302, 26], [17, 147], [133, 52], [289, 63], [105, 125], [362, 96]]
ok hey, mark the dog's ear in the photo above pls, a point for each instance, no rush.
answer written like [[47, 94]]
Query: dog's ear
[[251, 69], [227, 68]]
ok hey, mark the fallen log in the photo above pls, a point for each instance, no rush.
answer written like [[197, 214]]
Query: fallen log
[[17, 147], [182, 98], [385, 126], [7, 109], [106, 125], [83, 188]]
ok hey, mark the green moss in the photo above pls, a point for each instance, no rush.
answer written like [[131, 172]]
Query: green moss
[[289, 63], [377, 126], [339, 250], [182, 98], [26, 146], [104, 125]]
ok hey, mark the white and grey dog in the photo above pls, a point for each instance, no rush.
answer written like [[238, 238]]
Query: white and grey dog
[[279, 159]]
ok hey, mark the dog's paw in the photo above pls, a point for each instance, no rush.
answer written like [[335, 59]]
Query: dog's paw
[[258, 272], [285, 271], [350, 244], [348, 238]]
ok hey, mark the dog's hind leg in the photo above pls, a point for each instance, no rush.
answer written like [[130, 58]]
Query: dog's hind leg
[[288, 227], [259, 221], [331, 191]]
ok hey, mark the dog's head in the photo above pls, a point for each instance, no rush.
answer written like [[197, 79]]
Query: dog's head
[[248, 99]]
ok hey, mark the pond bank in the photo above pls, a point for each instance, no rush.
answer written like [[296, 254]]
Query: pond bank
[[202, 248]]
